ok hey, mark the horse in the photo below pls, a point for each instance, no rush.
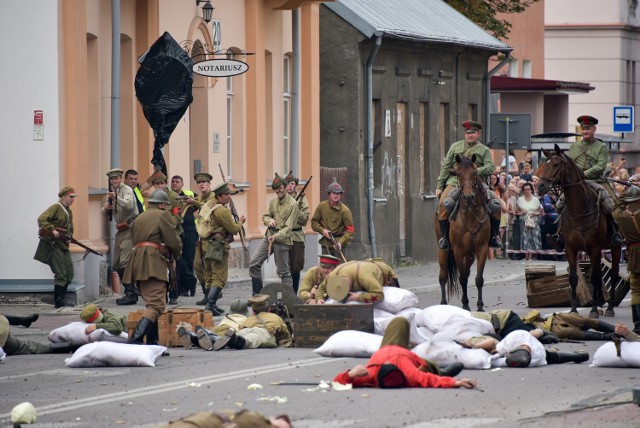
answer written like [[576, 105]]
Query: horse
[[583, 224], [469, 233]]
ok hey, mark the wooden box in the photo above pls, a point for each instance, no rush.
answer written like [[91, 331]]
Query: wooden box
[[168, 322], [532, 272], [315, 323], [555, 291]]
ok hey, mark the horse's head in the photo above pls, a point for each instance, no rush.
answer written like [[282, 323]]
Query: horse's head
[[559, 170], [468, 178]]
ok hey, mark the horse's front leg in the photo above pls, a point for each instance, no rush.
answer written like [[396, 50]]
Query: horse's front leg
[[481, 260], [442, 276], [464, 280], [596, 281], [572, 257]]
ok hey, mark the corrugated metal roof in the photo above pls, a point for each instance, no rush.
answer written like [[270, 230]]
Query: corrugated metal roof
[[422, 20]]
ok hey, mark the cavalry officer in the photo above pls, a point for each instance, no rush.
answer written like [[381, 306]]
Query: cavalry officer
[[447, 181], [333, 218], [314, 277], [153, 233], [296, 255]]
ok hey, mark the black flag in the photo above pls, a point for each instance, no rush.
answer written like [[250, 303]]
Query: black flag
[[163, 87]]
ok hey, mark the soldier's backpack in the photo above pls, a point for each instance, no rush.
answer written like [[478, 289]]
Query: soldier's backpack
[[204, 226]]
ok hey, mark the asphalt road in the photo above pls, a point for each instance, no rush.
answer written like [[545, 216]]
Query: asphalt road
[[194, 380]]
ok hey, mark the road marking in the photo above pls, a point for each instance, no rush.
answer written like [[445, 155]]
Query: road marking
[[171, 386], [436, 287]]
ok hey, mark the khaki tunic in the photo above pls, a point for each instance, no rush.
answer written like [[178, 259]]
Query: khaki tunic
[[591, 158], [484, 161], [338, 220], [274, 324], [624, 214], [126, 213], [311, 279], [198, 267], [229, 321], [52, 251], [52, 217], [297, 234], [114, 322], [364, 277], [224, 226], [285, 212]]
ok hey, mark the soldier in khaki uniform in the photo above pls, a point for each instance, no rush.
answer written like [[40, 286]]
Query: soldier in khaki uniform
[[280, 220], [447, 182], [230, 418], [221, 228], [53, 250], [571, 326], [332, 217], [15, 346], [152, 233], [626, 212], [262, 330], [101, 318], [200, 268], [356, 281], [296, 255], [314, 277]]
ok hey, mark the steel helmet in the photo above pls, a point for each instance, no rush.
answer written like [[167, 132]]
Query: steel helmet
[[159, 197], [633, 194], [239, 306]]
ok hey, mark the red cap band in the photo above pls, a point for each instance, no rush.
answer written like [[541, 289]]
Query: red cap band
[[94, 316], [328, 261]]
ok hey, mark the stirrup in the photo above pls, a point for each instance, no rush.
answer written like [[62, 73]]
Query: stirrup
[[617, 239], [495, 242], [443, 243]]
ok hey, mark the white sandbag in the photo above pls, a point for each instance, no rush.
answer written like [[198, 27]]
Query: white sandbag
[[461, 328], [423, 332], [109, 354], [379, 313], [606, 355], [434, 317], [408, 313], [350, 343], [397, 299], [415, 336], [380, 325], [2, 354], [74, 333], [445, 352]]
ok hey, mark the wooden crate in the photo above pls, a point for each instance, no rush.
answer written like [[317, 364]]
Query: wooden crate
[[555, 291], [315, 323], [532, 272], [168, 321]]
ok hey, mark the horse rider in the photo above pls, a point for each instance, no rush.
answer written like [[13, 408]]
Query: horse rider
[[448, 191], [591, 155]]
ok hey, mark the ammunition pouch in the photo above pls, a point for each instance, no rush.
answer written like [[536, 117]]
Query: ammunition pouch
[[215, 251]]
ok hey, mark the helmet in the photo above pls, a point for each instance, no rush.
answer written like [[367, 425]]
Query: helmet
[[633, 194], [334, 187], [239, 306], [159, 197]]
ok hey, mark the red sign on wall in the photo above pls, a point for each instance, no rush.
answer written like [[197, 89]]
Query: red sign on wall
[[38, 117]]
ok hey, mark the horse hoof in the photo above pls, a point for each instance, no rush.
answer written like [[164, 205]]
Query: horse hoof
[[466, 308], [480, 310], [594, 314], [573, 311], [609, 313]]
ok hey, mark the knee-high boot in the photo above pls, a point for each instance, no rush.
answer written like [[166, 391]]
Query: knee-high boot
[[23, 321], [597, 335], [59, 292], [635, 313], [605, 327], [205, 339], [256, 284], [212, 301], [141, 330], [295, 276], [188, 339], [203, 302], [130, 295], [443, 243], [567, 357], [495, 241]]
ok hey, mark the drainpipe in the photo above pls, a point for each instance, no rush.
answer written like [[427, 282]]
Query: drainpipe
[[369, 147], [487, 95], [294, 153], [115, 103]]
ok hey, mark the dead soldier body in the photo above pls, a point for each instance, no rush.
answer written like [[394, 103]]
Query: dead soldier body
[[204, 338], [571, 326], [357, 281]]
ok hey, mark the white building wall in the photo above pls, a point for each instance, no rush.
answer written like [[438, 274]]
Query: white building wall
[[29, 80]]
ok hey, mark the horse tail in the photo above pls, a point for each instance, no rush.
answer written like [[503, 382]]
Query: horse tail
[[453, 282]]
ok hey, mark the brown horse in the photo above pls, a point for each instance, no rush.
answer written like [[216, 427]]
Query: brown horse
[[583, 224], [469, 233]]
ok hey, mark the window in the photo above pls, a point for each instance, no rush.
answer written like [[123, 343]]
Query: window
[[513, 68], [526, 68]]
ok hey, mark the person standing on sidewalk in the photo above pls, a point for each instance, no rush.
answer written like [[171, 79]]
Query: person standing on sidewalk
[[296, 255], [53, 249], [154, 236], [186, 278]]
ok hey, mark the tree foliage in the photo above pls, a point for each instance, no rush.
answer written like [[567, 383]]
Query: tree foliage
[[483, 13]]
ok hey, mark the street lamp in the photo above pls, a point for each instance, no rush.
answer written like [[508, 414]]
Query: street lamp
[[207, 10]]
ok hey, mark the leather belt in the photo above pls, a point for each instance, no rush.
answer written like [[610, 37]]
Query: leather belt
[[295, 230], [149, 244]]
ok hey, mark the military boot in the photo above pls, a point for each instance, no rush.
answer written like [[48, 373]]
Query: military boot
[[451, 370], [495, 241], [256, 285], [64, 347], [203, 302], [206, 339], [443, 243], [141, 330], [230, 339], [567, 357], [188, 339], [597, 335], [58, 296], [295, 276], [605, 327], [635, 313], [23, 321], [212, 301], [130, 296]]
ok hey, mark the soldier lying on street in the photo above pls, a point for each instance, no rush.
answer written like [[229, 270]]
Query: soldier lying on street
[[204, 338], [571, 326], [23, 321], [506, 321], [395, 366], [357, 281], [314, 277], [521, 348], [621, 329], [14, 346], [113, 322], [228, 418]]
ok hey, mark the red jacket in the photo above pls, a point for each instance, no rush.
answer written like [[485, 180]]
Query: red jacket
[[409, 364]]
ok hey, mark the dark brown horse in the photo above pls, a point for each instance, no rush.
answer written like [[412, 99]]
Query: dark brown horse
[[469, 234], [583, 223]]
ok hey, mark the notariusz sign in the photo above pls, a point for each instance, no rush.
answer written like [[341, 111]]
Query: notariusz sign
[[220, 67]]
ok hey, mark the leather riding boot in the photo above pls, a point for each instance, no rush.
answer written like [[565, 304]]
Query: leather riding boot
[[130, 296], [605, 327], [59, 292], [495, 241], [443, 243], [141, 330], [256, 285], [212, 301], [549, 337], [23, 321], [295, 276], [616, 238], [153, 335], [63, 348], [203, 302], [188, 339], [635, 313], [596, 335], [230, 339], [206, 339], [451, 370], [567, 357]]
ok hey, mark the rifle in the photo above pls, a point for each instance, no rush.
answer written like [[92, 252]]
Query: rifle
[[234, 213], [171, 266], [301, 194], [64, 235], [110, 202], [624, 183], [334, 242]]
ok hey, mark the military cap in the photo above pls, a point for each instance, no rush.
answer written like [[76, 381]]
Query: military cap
[[328, 259], [91, 313], [337, 287], [519, 358], [289, 178], [67, 191], [334, 187], [158, 177], [586, 120], [239, 306], [471, 126], [159, 197], [4, 330], [202, 176], [633, 194], [277, 182], [115, 172], [223, 188], [259, 302]]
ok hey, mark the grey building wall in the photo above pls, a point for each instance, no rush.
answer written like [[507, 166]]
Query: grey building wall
[[446, 80]]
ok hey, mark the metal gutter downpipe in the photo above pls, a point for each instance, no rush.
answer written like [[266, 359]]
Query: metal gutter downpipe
[[369, 147], [294, 144], [487, 94], [115, 104]]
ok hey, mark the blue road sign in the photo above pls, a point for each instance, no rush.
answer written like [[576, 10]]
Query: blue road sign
[[623, 119]]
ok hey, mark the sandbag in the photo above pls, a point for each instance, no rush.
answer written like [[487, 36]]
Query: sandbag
[[461, 328], [350, 343], [109, 354], [2, 354], [397, 299], [445, 352], [74, 333], [380, 324], [434, 317], [606, 356], [379, 313]]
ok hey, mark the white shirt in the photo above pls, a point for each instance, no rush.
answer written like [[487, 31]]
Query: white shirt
[[513, 341], [512, 161]]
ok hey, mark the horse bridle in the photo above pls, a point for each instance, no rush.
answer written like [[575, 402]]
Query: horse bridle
[[561, 177], [478, 187]]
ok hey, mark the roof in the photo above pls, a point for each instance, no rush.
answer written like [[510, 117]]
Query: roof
[[419, 20], [516, 84]]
